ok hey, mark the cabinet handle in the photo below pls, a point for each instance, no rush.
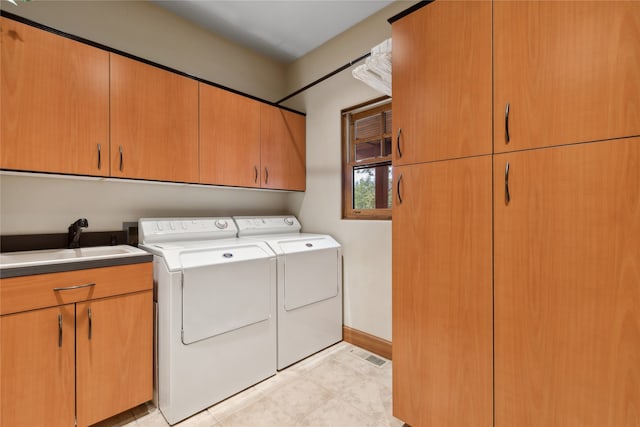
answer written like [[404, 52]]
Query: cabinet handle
[[398, 190], [121, 160], [68, 288], [59, 330], [99, 157], [398, 142], [266, 175], [507, 195], [506, 124], [255, 178], [90, 321]]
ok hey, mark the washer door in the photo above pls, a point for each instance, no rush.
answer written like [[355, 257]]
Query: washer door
[[310, 276], [221, 298]]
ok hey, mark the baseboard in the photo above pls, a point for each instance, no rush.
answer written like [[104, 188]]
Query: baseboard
[[367, 341]]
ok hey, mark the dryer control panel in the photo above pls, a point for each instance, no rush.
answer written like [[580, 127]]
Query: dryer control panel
[[155, 230], [252, 226]]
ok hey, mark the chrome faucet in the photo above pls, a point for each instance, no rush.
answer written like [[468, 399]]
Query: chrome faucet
[[74, 232]]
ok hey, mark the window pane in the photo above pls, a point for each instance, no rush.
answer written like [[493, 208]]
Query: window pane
[[367, 150], [372, 187], [367, 127]]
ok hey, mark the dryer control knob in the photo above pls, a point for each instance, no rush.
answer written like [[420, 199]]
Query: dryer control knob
[[288, 221], [221, 224]]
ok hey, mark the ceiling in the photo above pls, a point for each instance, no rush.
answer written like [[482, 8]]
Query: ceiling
[[282, 30]]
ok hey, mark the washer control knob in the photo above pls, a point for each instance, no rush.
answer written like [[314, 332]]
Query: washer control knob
[[288, 221], [222, 225], [159, 225], [184, 225], [172, 225]]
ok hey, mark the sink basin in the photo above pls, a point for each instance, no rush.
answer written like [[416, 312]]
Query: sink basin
[[57, 256]]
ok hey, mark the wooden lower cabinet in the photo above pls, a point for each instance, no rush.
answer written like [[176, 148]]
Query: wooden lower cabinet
[[37, 376], [567, 286], [82, 361], [113, 355], [442, 293]]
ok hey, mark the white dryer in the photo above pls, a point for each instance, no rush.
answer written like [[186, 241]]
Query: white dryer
[[309, 285], [215, 311]]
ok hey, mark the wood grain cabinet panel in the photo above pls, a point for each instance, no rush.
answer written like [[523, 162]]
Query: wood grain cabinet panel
[[84, 365], [282, 148], [570, 71], [442, 296], [114, 350], [229, 138], [567, 286], [442, 82], [54, 103], [154, 123], [37, 377]]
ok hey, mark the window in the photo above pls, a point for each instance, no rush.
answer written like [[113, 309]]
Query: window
[[366, 164]]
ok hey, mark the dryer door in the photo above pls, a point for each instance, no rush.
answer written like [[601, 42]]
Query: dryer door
[[220, 298], [310, 272]]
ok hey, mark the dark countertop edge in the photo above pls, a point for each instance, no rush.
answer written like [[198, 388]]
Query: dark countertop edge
[[409, 11], [73, 266], [43, 27]]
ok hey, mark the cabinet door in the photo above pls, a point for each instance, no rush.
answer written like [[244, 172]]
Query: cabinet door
[[37, 367], [569, 71], [154, 123], [229, 138], [442, 301], [442, 82], [114, 355], [567, 286], [282, 149], [54, 103]]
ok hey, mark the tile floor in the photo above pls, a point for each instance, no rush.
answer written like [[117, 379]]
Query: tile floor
[[333, 388]]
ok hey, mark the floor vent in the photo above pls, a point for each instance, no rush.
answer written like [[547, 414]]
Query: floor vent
[[376, 360], [371, 358]]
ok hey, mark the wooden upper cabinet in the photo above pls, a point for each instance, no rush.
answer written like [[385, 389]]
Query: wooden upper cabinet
[[229, 138], [37, 376], [154, 123], [54, 103], [569, 70], [282, 148], [442, 82], [442, 293], [567, 293]]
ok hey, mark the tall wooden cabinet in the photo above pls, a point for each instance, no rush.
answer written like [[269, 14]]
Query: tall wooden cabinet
[[569, 71], [442, 84], [54, 103], [542, 234], [567, 286], [282, 149], [154, 122], [442, 326]]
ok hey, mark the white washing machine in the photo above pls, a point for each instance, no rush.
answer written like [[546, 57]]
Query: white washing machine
[[309, 285], [215, 311]]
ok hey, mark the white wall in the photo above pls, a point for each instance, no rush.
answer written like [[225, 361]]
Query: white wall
[[366, 243], [49, 205]]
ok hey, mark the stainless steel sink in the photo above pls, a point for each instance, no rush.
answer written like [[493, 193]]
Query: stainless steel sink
[[57, 256]]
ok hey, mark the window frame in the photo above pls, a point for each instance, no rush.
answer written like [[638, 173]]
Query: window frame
[[375, 106]]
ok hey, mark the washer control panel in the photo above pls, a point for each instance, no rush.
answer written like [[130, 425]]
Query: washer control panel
[[153, 230], [248, 226]]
